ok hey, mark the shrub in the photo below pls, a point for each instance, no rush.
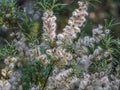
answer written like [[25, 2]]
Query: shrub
[[69, 60]]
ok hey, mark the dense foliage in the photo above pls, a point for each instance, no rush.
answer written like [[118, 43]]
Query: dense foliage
[[39, 57]]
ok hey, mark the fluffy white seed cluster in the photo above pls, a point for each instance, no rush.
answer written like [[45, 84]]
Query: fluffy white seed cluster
[[88, 82], [59, 80], [102, 82], [83, 46], [99, 33], [5, 85], [60, 56], [9, 69], [15, 80], [29, 51], [10, 78], [49, 26], [74, 23], [20, 43]]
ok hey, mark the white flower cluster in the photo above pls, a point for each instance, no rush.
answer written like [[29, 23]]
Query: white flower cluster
[[99, 34], [102, 82], [29, 51], [49, 26], [59, 80], [15, 80], [99, 81], [74, 23], [10, 64], [5, 85], [83, 46], [10, 78], [96, 81], [20, 43], [60, 56]]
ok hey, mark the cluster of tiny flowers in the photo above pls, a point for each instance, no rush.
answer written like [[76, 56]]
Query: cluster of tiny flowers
[[29, 51], [60, 56], [96, 81], [83, 45], [5, 85], [99, 34], [10, 78], [49, 26], [20, 43], [10, 64], [59, 79], [99, 81], [74, 23]]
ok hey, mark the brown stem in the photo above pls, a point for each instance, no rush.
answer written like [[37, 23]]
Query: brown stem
[[47, 76]]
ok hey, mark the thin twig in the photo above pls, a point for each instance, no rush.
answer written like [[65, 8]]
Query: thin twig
[[47, 77]]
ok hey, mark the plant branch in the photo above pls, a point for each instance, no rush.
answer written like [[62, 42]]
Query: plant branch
[[48, 76]]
